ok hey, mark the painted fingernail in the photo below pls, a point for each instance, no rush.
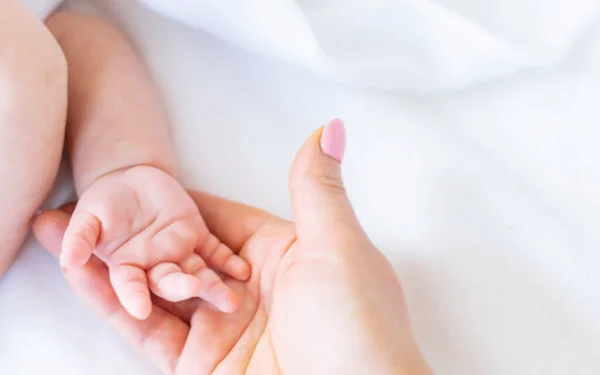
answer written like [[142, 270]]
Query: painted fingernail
[[333, 140]]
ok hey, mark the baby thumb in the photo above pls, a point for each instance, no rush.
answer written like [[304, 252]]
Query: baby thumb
[[319, 198]]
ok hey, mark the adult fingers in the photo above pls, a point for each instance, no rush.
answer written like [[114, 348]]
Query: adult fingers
[[319, 198], [160, 338], [49, 229], [231, 222]]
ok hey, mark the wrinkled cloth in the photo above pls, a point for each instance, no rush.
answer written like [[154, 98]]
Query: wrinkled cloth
[[486, 200], [417, 46], [43, 8], [408, 45]]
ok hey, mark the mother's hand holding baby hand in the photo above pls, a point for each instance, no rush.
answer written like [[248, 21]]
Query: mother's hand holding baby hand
[[321, 299]]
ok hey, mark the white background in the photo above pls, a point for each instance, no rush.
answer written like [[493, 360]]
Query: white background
[[485, 199]]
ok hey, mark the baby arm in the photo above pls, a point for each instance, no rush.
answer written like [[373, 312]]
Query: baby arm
[[115, 117], [33, 104], [132, 212]]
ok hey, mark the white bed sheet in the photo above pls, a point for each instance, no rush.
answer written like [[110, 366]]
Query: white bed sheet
[[486, 200]]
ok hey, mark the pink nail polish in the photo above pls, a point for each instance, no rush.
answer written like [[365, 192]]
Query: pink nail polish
[[333, 140]]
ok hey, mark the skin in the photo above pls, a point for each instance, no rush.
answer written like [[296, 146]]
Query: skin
[[132, 212], [321, 298], [33, 99]]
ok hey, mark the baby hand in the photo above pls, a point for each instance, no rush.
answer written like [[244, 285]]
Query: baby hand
[[146, 228]]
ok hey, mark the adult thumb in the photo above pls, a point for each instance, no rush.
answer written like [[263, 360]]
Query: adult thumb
[[319, 199]]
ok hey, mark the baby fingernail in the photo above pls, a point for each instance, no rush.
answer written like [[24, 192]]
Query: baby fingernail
[[229, 304], [63, 262], [333, 140], [238, 268]]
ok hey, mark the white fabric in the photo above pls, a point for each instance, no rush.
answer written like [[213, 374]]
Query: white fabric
[[43, 8], [486, 200], [415, 45]]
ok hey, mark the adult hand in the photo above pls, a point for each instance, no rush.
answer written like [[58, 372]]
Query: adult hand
[[321, 299]]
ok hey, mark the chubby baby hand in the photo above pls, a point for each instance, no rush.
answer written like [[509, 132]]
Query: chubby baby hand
[[141, 222]]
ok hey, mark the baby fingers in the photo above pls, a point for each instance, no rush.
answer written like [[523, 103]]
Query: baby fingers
[[80, 239], [131, 287], [223, 259], [191, 279], [168, 281]]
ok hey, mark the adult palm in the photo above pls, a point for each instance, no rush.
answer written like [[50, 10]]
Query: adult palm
[[321, 299]]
